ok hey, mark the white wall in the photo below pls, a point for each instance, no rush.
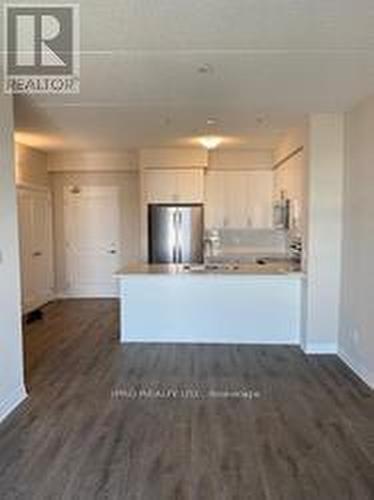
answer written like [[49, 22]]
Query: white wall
[[93, 161], [11, 361], [324, 228], [356, 339], [294, 138], [130, 218]]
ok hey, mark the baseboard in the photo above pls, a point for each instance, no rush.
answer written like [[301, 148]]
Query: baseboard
[[144, 339], [9, 404], [85, 295], [321, 348], [365, 375], [39, 304], [66, 296]]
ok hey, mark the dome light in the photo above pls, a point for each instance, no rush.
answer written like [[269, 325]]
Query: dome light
[[210, 141]]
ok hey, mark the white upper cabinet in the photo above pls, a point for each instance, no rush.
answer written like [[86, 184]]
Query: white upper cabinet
[[214, 200], [173, 186], [237, 211], [159, 186], [239, 199], [260, 196]]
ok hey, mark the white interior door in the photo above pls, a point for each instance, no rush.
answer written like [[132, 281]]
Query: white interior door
[[92, 235], [25, 221], [35, 225]]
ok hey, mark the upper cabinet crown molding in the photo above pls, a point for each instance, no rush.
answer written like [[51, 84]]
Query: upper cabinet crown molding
[[173, 158], [32, 186], [93, 161], [241, 159], [31, 166]]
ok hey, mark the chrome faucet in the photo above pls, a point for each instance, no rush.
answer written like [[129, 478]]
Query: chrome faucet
[[208, 243], [212, 243]]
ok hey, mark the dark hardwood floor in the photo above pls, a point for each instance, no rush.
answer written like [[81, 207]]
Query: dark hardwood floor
[[305, 432]]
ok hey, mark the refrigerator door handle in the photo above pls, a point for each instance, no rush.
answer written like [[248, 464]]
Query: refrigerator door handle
[[180, 228], [176, 239]]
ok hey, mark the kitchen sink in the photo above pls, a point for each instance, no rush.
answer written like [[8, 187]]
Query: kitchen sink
[[256, 266], [209, 267]]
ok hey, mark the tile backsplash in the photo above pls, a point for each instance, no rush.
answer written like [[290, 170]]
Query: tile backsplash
[[248, 242]]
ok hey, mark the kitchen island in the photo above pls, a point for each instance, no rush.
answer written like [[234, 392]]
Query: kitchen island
[[206, 304]]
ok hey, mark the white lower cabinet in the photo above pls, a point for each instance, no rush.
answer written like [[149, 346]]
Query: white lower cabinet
[[35, 230], [239, 199]]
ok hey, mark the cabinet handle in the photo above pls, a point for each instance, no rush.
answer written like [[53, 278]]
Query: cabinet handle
[[112, 252], [37, 254]]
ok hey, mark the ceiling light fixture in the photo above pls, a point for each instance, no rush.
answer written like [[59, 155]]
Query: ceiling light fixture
[[210, 141], [205, 69], [211, 121]]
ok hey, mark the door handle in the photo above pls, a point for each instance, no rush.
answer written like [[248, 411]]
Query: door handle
[[180, 254], [175, 237], [112, 252]]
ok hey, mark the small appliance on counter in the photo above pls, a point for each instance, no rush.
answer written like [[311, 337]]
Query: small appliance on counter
[[212, 243], [281, 213], [175, 233]]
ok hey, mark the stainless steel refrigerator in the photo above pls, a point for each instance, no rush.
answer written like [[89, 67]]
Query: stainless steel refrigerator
[[175, 233]]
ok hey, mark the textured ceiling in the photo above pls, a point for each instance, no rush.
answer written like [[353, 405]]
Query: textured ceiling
[[270, 59]]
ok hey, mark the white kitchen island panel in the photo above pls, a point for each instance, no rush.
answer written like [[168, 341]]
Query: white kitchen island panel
[[211, 308]]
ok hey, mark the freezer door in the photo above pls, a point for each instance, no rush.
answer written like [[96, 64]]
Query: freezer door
[[190, 234], [163, 235]]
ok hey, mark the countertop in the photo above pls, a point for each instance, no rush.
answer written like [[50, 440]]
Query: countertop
[[271, 268]]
